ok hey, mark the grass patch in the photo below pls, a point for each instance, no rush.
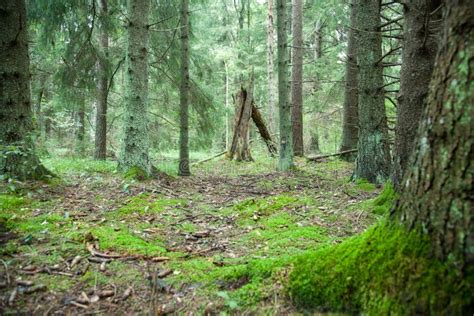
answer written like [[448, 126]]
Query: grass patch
[[65, 166], [145, 204]]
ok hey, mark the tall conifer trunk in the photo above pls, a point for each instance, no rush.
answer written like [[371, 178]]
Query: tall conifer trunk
[[184, 93], [101, 116], [286, 140], [17, 151], [297, 78], [373, 156], [134, 145], [270, 68], [419, 52], [437, 192], [350, 124]]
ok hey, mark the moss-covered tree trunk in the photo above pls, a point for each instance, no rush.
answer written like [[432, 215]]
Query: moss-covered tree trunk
[[297, 78], [419, 51], [184, 93], [438, 190], [350, 124], [134, 145], [286, 140], [17, 151], [373, 155], [100, 152]]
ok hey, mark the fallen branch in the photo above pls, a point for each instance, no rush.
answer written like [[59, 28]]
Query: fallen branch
[[331, 155], [210, 158]]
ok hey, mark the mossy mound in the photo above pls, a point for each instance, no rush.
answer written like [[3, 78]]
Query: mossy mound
[[386, 270]]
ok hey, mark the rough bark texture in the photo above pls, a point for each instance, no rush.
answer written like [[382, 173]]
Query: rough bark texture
[[239, 149], [286, 140], [373, 156], [184, 93], [270, 68], [297, 78], [318, 39], [134, 146], [100, 152], [419, 52], [17, 152], [438, 191], [350, 124]]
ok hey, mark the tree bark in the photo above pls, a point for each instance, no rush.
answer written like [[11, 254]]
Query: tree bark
[[350, 124], [373, 155], [286, 146], [18, 157], [135, 142], [297, 78], [263, 130], [240, 149], [184, 93], [270, 68], [81, 127], [437, 192], [100, 152], [419, 52]]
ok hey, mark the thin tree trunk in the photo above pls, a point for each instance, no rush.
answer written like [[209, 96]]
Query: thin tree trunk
[[17, 151], [350, 124], [270, 68], [100, 152], [373, 155], [437, 194], [318, 39], [419, 52], [286, 146], [81, 127], [297, 78], [135, 142], [184, 93]]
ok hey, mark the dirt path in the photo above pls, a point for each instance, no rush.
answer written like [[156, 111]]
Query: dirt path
[[204, 244]]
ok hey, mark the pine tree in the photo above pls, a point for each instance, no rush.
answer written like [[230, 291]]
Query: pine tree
[[286, 140], [134, 146], [297, 78], [18, 158]]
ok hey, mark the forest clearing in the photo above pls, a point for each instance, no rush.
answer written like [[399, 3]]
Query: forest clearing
[[244, 157]]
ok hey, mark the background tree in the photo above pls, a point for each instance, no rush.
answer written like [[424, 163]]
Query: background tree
[[286, 140], [297, 78], [271, 67], [18, 157], [373, 155], [184, 93], [134, 147], [350, 124], [100, 152], [419, 51]]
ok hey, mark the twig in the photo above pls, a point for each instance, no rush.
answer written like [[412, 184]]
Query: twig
[[331, 155]]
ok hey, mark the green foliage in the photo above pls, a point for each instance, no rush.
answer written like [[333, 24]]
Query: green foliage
[[386, 270], [65, 166]]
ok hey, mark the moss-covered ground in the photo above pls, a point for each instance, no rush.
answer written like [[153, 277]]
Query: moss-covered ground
[[234, 238]]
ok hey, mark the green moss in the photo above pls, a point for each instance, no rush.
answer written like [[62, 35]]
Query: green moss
[[74, 166], [10, 202], [135, 173], [364, 185], [94, 277], [145, 204], [122, 240], [386, 270], [384, 201]]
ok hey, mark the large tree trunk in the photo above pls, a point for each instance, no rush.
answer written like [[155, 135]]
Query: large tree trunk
[[437, 192], [135, 142], [100, 152], [270, 68], [184, 93], [297, 78], [350, 124], [373, 156], [17, 151], [286, 140], [419, 52]]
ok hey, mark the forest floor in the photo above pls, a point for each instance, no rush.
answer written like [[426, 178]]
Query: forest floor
[[221, 241]]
